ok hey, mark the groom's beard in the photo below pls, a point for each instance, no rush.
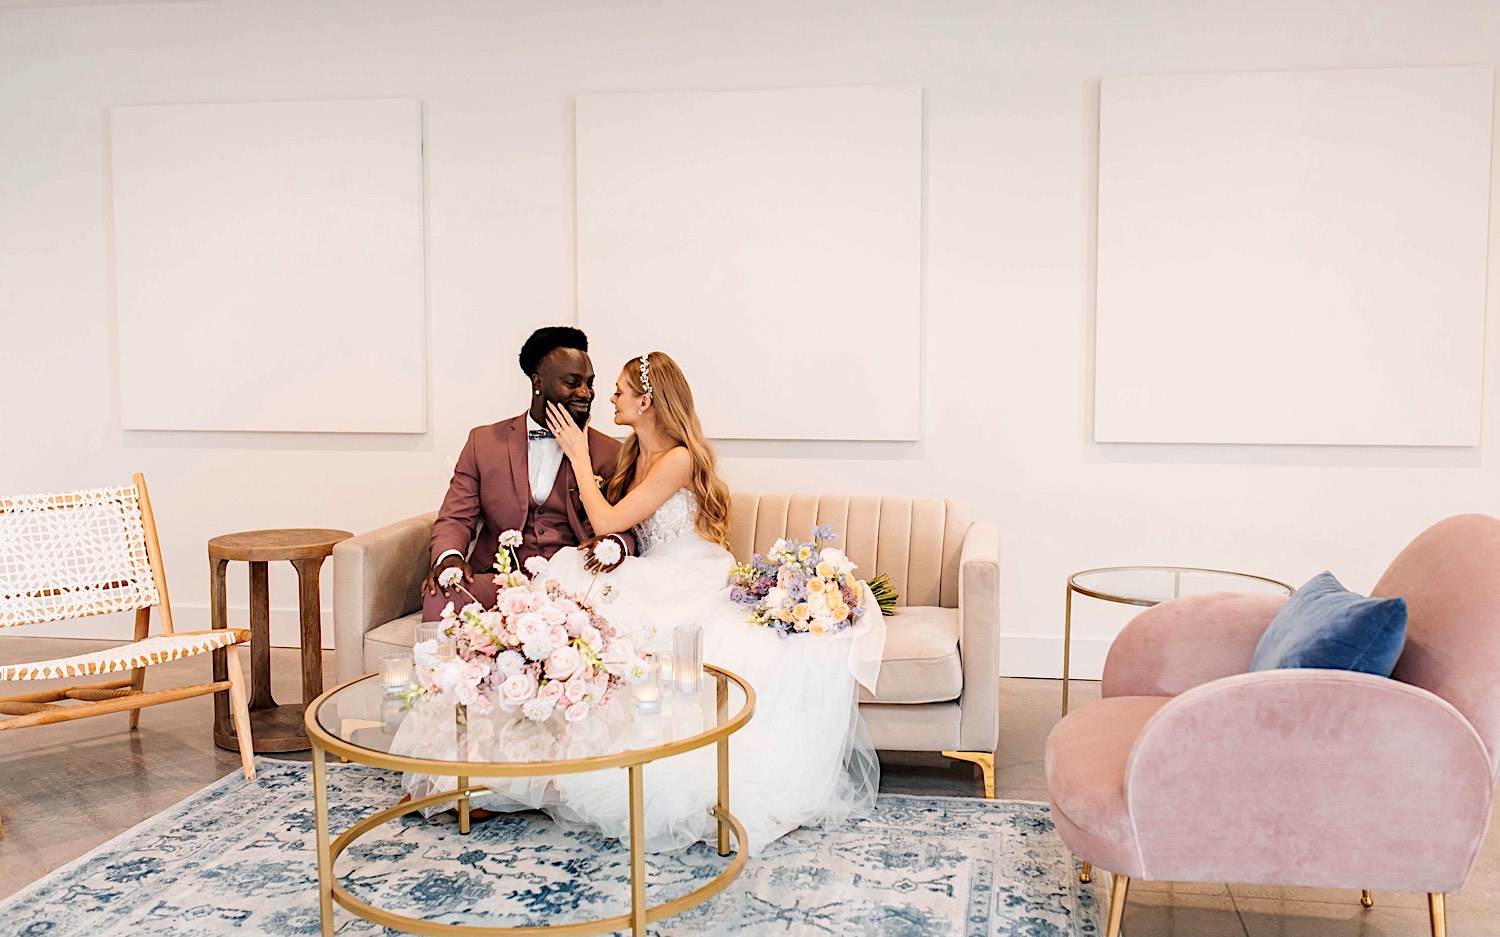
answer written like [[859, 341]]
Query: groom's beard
[[581, 419]]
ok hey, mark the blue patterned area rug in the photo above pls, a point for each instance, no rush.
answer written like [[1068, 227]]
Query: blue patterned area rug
[[237, 858]]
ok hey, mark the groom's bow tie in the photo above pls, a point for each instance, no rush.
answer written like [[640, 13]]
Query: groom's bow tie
[[538, 434]]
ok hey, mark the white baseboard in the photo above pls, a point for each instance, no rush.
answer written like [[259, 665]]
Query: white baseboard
[[1040, 655]]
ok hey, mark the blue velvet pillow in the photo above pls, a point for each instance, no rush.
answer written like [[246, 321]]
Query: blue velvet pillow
[[1326, 626]]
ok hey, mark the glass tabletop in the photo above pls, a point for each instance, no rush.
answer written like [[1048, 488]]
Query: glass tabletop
[[1149, 585], [366, 717]]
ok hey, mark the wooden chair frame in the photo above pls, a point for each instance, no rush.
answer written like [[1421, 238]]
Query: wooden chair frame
[[127, 694]]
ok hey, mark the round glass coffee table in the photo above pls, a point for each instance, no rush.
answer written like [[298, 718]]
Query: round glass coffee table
[[1150, 585], [358, 721]]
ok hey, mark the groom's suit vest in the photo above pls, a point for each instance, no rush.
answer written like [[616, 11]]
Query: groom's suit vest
[[548, 527]]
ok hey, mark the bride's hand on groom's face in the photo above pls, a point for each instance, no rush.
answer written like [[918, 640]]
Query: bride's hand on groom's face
[[575, 445]]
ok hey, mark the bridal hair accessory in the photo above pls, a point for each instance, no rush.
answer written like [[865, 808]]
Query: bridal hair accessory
[[646, 374]]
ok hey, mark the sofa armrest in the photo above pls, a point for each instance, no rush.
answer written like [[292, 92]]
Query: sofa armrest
[[979, 638], [1324, 778], [377, 577], [1185, 642]]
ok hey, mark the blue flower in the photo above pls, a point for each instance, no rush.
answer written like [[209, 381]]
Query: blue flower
[[741, 594], [825, 532]]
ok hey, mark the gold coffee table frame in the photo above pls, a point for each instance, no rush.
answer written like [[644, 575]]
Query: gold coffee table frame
[[640, 914], [1135, 598]]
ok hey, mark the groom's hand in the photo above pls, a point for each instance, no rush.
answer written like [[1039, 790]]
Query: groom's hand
[[592, 564], [430, 584]]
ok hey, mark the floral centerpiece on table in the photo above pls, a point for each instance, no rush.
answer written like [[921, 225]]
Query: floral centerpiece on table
[[541, 650], [800, 588]]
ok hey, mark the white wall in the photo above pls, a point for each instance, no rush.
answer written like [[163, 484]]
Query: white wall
[[1010, 97]]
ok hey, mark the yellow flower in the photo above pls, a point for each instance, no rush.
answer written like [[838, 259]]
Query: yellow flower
[[804, 553], [826, 570], [800, 612], [815, 584], [840, 612]]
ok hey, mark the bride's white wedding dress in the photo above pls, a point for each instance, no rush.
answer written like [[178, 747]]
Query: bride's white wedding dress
[[804, 759]]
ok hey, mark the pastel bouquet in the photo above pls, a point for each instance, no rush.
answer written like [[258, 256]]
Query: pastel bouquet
[[800, 588], [541, 650]]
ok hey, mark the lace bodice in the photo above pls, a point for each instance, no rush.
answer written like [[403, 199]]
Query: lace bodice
[[674, 518]]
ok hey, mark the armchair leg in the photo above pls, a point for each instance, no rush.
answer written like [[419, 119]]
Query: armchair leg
[[1117, 891], [986, 763], [1087, 875], [1437, 910], [1365, 899]]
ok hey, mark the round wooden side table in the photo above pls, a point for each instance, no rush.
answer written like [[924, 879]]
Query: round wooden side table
[[276, 728]]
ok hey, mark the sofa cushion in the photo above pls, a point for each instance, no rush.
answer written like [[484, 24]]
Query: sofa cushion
[[1325, 626], [393, 637], [920, 663]]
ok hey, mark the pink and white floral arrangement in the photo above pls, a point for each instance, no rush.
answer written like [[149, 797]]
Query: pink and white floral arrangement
[[541, 650]]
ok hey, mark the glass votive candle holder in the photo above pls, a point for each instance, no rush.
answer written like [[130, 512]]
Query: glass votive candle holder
[[434, 631], [395, 673], [647, 693], [687, 657]]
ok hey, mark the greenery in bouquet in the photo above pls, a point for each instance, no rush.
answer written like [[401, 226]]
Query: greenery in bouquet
[[540, 650], [800, 588]]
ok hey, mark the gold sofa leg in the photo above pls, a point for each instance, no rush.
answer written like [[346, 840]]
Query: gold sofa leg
[[1087, 875], [1117, 905], [986, 763], [1438, 912], [1365, 899]]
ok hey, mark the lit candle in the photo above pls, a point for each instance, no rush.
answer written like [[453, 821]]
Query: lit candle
[[648, 691]]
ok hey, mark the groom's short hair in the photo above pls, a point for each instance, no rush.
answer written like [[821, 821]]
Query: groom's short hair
[[546, 340]]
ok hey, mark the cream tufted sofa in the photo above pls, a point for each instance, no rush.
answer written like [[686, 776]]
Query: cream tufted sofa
[[938, 689]]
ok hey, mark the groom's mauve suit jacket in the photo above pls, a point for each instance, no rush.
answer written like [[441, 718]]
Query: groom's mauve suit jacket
[[491, 490]]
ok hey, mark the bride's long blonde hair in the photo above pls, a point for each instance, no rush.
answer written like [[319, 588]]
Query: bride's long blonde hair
[[677, 418]]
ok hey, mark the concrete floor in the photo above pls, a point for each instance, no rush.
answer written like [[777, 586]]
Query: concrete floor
[[66, 788]]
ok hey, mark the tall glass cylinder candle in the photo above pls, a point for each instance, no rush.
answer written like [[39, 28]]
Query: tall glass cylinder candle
[[687, 657]]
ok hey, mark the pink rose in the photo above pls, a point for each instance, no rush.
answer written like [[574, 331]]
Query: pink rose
[[551, 691], [514, 602], [562, 663], [552, 615], [529, 627], [576, 712], [559, 635], [577, 689], [518, 688]]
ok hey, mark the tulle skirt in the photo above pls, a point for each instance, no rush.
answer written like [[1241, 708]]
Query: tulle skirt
[[804, 758]]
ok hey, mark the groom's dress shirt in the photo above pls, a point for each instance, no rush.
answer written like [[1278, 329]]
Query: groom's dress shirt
[[543, 458]]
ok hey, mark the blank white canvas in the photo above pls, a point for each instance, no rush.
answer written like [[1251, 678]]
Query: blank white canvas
[[770, 242], [1293, 258], [269, 266]]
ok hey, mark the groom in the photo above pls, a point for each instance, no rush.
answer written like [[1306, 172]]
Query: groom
[[512, 475]]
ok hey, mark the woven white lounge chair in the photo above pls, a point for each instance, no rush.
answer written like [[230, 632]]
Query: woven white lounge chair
[[82, 553]]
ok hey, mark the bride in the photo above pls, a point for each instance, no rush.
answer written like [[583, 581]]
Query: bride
[[804, 759]]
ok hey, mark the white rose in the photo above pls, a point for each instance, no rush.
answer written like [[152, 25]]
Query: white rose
[[562, 663], [576, 712], [518, 688]]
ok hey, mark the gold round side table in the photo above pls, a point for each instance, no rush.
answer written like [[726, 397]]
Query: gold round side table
[[1146, 586]]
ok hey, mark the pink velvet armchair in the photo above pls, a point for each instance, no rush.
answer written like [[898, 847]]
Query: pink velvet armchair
[[1191, 768]]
